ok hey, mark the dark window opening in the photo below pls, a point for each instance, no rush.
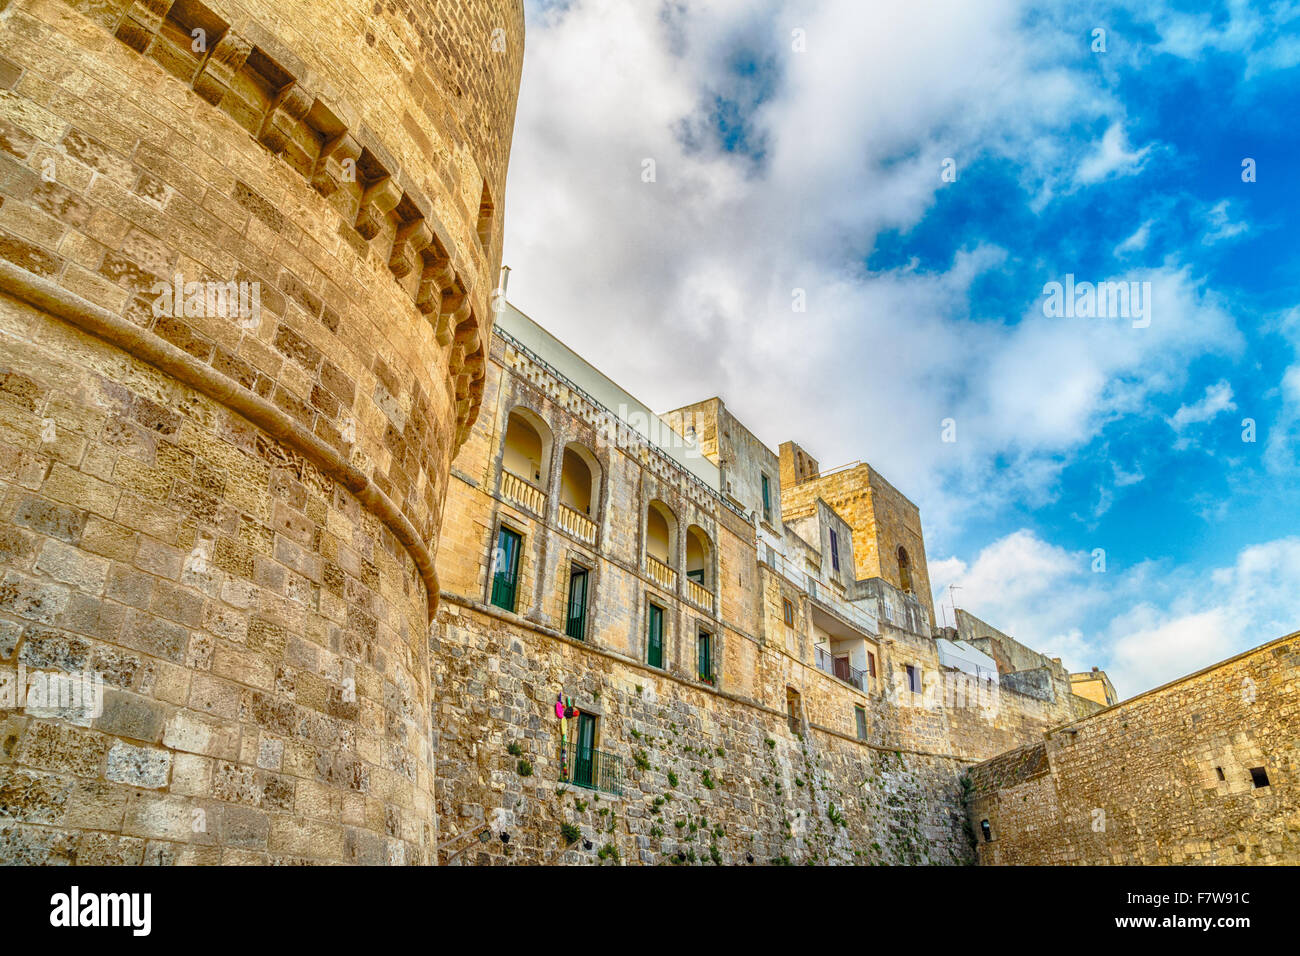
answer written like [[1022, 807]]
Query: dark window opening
[[1259, 776], [655, 636], [704, 649], [787, 611], [986, 830], [767, 499], [860, 715], [794, 710], [871, 664], [505, 569], [697, 575], [835, 550], [1219, 771], [904, 571], [913, 679], [576, 623]]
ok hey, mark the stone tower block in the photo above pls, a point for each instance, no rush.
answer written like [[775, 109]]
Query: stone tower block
[[247, 252]]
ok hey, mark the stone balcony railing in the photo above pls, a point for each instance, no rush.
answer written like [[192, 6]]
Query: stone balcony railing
[[699, 594], [578, 525], [526, 494], [661, 574]]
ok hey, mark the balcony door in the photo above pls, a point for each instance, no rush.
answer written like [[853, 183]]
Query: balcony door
[[584, 750]]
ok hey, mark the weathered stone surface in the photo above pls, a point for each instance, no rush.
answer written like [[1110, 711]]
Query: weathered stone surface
[[1202, 770], [201, 502]]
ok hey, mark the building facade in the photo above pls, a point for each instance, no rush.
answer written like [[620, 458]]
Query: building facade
[[744, 693], [247, 252]]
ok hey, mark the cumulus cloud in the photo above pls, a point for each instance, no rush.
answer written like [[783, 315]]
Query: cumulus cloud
[[682, 174], [774, 173], [1144, 625]]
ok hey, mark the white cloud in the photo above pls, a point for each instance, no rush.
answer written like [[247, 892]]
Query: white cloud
[[1112, 158], [1144, 625], [1221, 225], [1216, 400], [681, 288], [1136, 242]]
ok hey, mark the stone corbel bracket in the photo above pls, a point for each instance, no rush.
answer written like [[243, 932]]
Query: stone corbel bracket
[[268, 91]]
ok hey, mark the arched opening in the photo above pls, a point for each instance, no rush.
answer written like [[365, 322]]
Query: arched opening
[[527, 452], [580, 480], [904, 570], [699, 557], [660, 526]]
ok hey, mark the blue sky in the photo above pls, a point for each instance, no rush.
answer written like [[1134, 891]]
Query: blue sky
[[801, 146]]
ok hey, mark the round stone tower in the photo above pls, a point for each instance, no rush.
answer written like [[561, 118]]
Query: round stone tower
[[247, 254]]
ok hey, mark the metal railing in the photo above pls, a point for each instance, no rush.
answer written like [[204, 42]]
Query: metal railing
[[864, 620], [840, 668], [576, 524], [527, 494], [595, 770], [660, 573]]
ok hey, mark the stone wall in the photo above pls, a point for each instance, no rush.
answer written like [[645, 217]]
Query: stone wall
[[882, 520], [706, 777], [1163, 778], [232, 515]]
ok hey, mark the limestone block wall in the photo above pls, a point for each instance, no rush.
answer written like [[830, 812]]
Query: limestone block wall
[[707, 778], [1163, 778], [232, 514]]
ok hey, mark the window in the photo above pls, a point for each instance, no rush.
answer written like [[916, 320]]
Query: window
[[913, 679], [835, 550], [861, 716], [505, 569], [704, 654], [871, 665], [987, 831], [576, 621], [787, 611], [904, 571], [793, 710], [654, 655], [1259, 776], [1219, 772], [584, 750], [767, 499]]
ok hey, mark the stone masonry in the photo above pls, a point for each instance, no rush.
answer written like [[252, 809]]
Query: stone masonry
[[247, 249], [1202, 770]]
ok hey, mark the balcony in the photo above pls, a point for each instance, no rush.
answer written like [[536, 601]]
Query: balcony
[[840, 669], [595, 770], [858, 614], [699, 594], [524, 493], [578, 525], [660, 573]]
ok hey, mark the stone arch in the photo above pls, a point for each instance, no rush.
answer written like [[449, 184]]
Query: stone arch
[[699, 556], [580, 479], [526, 448], [661, 533], [904, 570]]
